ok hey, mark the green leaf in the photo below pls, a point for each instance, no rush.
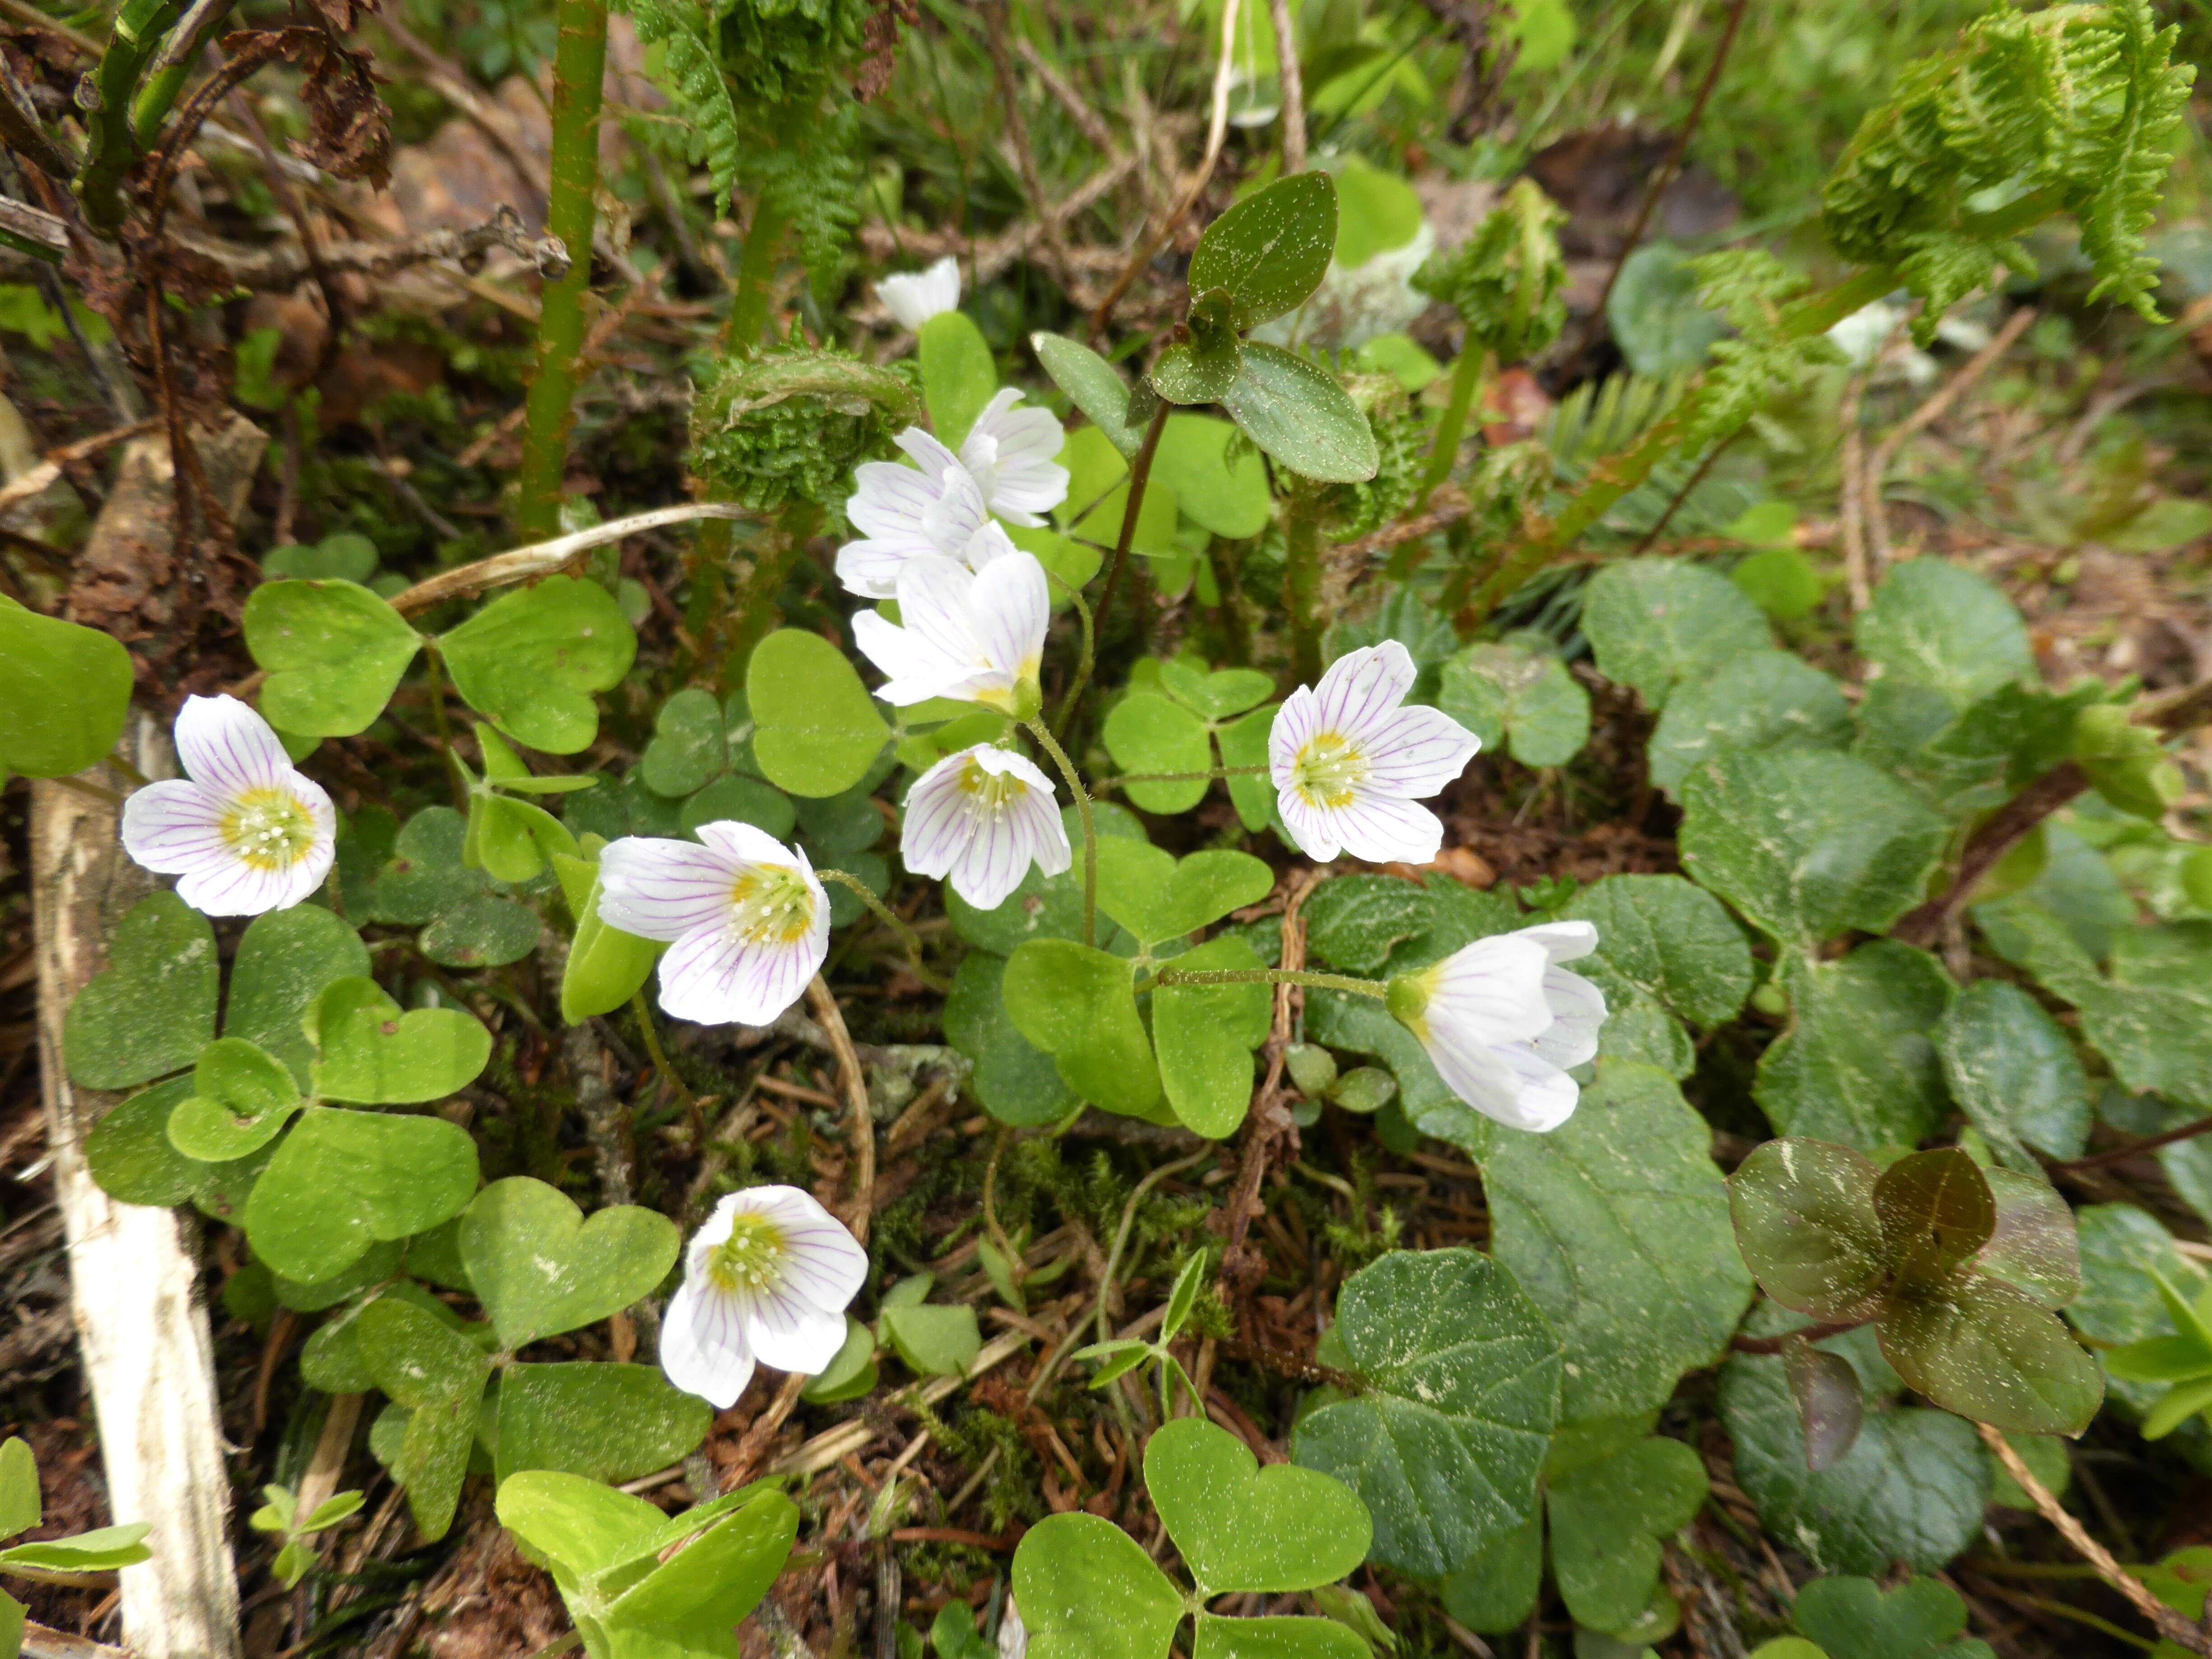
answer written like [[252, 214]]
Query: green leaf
[[334, 653], [957, 374], [540, 1269], [816, 729], [1855, 1618], [343, 557], [851, 1375], [21, 1505], [933, 1339], [2013, 1073], [1158, 896], [1087, 1590], [604, 1421], [698, 1595], [67, 689], [485, 932], [1218, 695], [2125, 1252], [1619, 1221], [152, 1009], [2033, 1246], [580, 1526], [1764, 700], [1243, 742], [1447, 1441], [1146, 732], [2149, 1018], [1016, 1083], [510, 839], [14, 1615], [1911, 1488], [103, 1550], [1189, 373], [1986, 1351], [1667, 939], [438, 1376], [1276, 1638], [688, 745], [1781, 581], [242, 1097], [745, 800], [1242, 1527], [1940, 625], [1271, 251], [1807, 844], [129, 1153], [1354, 922], [1098, 498], [426, 875], [1228, 496], [1095, 386], [285, 961], [1805, 1221], [1858, 1064], [1074, 1003], [1205, 1036], [1523, 700], [1654, 313], [340, 1180], [1296, 411], [1658, 623], [531, 659], [368, 1052], [1607, 1520], [1936, 1211], [1495, 1588], [606, 967]]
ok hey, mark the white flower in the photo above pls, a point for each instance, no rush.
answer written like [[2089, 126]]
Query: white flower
[[982, 817], [1349, 763], [933, 509], [765, 1280], [746, 921], [917, 296], [976, 635], [1009, 453], [248, 832], [1502, 1021]]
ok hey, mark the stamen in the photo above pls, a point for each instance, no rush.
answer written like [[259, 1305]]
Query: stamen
[[771, 904], [1329, 769], [751, 1258], [268, 828]]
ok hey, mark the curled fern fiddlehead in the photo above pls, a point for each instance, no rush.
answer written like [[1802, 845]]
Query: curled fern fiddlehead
[[792, 423]]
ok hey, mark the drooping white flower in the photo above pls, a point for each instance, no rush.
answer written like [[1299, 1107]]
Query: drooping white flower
[[766, 1280], [980, 817], [1009, 453], [934, 508], [1502, 1021], [246, 831], [746, 921], [1350, 764], [918, 296], [975, 635]]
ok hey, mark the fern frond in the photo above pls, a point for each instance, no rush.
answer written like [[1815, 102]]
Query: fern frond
[[693, 80], [1602, 418]]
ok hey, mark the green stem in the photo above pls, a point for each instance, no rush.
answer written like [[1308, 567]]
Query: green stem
[[756, 613], [444, 734], [112, 147], [1303, 565], [580, 62], [749, 308], [1051, 746], [1087, 657], [1365, 988], [1218, 772], [1467, 376], [658, 1056], [884, 913], [1141, 473]]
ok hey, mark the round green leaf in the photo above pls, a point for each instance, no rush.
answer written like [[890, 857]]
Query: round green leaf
[[1669, 938], [1657, 623], [1187, 373], [817, 731], [1982, 1349], [743, 800], [933, 1339], [286, 960], [1158, 896], [851, 1375], [1761, 700], [334, 651], [606, 967], [689, 745], [1855, 1619], [1205, 1036], [1271, 251], [129, 1152], [699, 1595], [1087, 1590], [1074, 1003], [604, 1421], [345, 556], [2012, 1071], [1935, 1208], [426, 875], [1805, 1221], [1150, 734], [1242, 1527], [21, 1505], [1857, 1064], [1938, 625], [437, 1376], [1094, 386], [485, 932], [539, 1269], [1654, 313], [1608, 1519], [1015, 1082], [531, 659], [340, 1180], [242, 1097], [1525, 700], [957, 374], [1297, 412], [153, 1008], [370, 1053], [67, 689], [1230, 498]]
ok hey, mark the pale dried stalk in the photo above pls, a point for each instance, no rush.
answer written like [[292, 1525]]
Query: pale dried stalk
[[832, 1019], [2168, 1623], [36, 481], [1293, 82], [1872, 513], [543, 558]]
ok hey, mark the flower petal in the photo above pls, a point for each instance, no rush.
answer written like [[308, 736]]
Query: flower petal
[[1009, 607], [1010, 451], [1384, 830], [1577, 1010], [1313, 828], [788, 1332], [1488, 992], [716, 977], [227, 746], [1294, 725], [704, 1349], [1361, 687], [174, 827], [661, 889], [914, 297], [1416, 751], [1563, 941], [748, 843], [827, 1264]]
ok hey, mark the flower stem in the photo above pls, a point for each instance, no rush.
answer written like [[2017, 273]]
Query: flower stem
[[756, 616], [1089, 655], [1167, 977], [579, 63], [442, 731], [1302, 582], [1467, 376], [659, 1057], [1126, 778], [1141, 473], [884, 914], [1051, 747]]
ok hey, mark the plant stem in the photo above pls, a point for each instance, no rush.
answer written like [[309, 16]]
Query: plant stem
[[112, 144], [755, 270], [1469, 373], [1301, 583], [756, 615], [1166, 976], [1104, 784], [579, 63], [884, 913], [1141, 473], [1051, 746], [658, 1056], [1086, 657], [444, 732], [1121, 1242], [1808, 1333]]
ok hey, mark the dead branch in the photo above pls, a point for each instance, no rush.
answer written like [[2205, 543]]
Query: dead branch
[[274, 269]]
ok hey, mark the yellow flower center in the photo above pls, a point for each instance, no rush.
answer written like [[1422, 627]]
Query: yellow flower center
[[751, 1258], [268, 828], [1328, 769], [1023, 700], [992, 792], [771, 904]]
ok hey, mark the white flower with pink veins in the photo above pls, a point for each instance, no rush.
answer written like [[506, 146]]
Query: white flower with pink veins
[[746, 922], [913, 297], [975, 635], [766, 1280], [1502, 1021], [246, 831], [979, 818], [1351, 763]]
